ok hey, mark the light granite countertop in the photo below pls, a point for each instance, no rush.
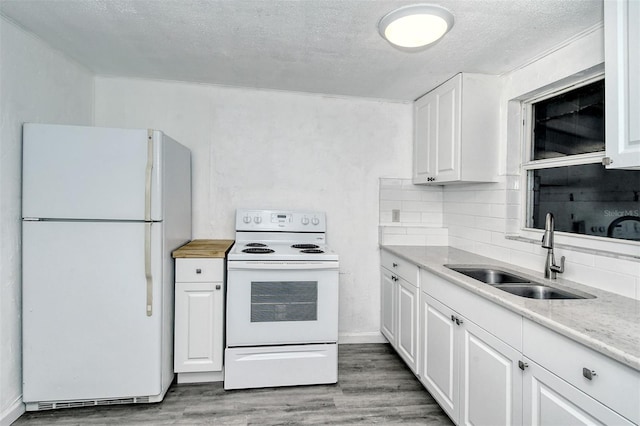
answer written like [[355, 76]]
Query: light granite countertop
[[609, 324]]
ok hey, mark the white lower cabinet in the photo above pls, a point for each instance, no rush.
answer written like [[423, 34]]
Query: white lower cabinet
[[199, 320], [388, 316], [549, 400], [399, 307], [564, 374], [487, 365], [399, 316], [407, 336], [472, 374]]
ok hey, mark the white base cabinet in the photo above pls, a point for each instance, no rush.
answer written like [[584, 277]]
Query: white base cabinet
[[389, 306], [472, 374], [399, 307], [487, 365], [549, 401], [199, 320]]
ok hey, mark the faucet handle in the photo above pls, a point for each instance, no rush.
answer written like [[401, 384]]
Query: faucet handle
[[556, 268]]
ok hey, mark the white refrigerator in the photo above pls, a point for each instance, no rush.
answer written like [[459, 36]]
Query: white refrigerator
[[102, 210]]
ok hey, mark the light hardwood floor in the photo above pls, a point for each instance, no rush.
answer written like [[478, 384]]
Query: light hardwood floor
[[374, 387]]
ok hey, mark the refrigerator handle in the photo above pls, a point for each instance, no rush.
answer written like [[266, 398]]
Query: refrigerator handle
[[147, 218], [147, 266], [148, 177]]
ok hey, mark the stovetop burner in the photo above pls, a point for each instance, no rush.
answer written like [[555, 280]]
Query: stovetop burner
[[258, 250], [312, 251], [255, 245], [305, 246]]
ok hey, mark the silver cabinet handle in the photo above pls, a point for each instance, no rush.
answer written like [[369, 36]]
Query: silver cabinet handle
[[218, 286], [198, 271], [453, 318], [395, 265], [588, 373], [394, 278], [522, 365]]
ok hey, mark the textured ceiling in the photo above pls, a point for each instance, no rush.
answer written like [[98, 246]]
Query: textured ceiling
[[320, 46]]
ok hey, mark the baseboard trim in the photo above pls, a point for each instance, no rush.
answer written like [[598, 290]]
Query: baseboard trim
[[361, 337], [12, 413]]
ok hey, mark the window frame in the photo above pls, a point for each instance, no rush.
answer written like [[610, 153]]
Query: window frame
[[581, 242]]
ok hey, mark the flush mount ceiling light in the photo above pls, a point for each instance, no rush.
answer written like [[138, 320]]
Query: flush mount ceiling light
[[414, 27]]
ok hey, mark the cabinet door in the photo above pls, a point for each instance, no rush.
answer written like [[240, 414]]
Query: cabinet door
[[447, 148], [622, 84], [407, 323], [437, 134], [425, 118], [491, 380], [549, 400], [388, 306], [198, 327], [439, 354]]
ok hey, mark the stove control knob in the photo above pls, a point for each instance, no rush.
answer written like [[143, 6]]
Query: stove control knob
[[315, 221], [257, 219], [246, 219], [305, 220]]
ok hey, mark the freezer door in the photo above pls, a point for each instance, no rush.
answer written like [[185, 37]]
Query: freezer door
[[86, 333], [74, 172]]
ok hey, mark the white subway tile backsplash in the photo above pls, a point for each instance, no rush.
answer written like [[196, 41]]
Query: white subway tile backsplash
[[391, 194], [417, 206], [387, 205], [622, 266], [624, 285], [410, 217], [492, 251], [431, 218], [478, 217]]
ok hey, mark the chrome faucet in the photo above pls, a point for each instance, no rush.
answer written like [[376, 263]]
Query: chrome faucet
[[550, 267]]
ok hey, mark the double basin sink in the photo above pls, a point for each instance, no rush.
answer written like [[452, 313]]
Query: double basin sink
[[515, 284]]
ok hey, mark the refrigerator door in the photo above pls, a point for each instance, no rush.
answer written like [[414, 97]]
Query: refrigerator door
[[86, 333], [74, 172]]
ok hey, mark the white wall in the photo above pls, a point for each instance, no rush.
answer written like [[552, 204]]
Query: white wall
[[479, 216], [270, 149], [37, 84]]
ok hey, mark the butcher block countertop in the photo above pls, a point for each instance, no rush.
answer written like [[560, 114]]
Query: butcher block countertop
[[203, 248]]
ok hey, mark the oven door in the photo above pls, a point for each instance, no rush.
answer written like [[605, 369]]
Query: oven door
[[274, 303]]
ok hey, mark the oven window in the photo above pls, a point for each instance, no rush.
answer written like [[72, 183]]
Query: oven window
[[284, 301]]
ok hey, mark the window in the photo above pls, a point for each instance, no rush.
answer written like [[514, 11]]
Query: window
[[564, 170]]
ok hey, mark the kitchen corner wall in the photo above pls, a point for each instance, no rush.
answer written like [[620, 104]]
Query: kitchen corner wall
[[271, 149], [37, 84]]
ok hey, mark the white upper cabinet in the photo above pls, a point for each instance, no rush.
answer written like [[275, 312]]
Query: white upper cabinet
[[456, 129], [622, 82]]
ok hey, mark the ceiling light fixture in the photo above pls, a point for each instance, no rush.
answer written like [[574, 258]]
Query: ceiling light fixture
[[414, 27]]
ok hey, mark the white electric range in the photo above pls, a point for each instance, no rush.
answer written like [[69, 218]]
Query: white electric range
[[282, 301]]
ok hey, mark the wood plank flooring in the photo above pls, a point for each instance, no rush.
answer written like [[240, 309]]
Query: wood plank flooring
[[374, 387]]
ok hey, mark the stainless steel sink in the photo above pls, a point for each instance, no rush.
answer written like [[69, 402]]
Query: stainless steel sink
[[515, 284], [536, 291], [489, 275]]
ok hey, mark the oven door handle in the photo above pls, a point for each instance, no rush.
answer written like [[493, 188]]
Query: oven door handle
[[281, 265]]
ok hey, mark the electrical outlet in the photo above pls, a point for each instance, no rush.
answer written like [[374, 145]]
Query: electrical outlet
[[395, 215]]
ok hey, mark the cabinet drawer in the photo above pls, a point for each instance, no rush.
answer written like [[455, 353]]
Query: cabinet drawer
[[399, 266], [613, 384], [199, 270]]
